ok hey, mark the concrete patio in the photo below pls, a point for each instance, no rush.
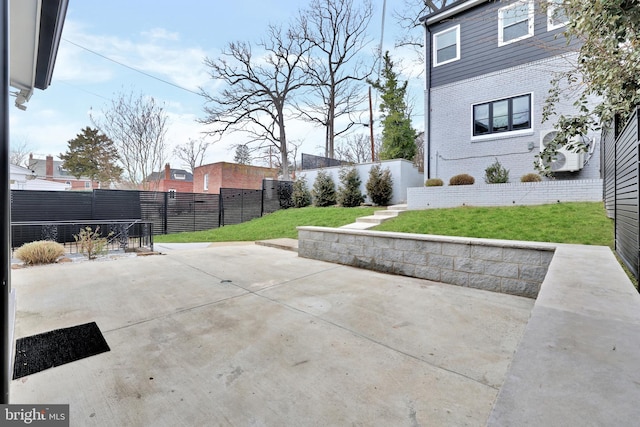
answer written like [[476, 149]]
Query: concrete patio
[[254, 335]]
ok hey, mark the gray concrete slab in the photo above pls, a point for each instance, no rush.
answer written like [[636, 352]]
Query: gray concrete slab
[[252, 335]]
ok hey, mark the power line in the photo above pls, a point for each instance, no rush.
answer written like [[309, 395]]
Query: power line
[[130, 67]]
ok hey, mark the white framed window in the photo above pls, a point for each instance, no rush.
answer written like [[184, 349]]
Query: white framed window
[[178, 175], [87, 184], [172, 193], [205, 184], [507, 115], [446, 46], [556, 15], [515, 22]]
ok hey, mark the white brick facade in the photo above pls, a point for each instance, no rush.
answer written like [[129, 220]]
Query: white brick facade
[[452, 147]]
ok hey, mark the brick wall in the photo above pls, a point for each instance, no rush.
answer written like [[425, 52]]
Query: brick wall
[[230, 175], [453, 150], [509, 194], [511, 267]]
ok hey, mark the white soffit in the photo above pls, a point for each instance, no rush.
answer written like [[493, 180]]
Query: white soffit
[[24, 32]]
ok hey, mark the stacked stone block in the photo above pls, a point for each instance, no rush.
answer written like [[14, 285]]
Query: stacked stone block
[[516, 268]]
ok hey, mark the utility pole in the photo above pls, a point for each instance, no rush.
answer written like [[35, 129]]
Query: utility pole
[[373, 149]]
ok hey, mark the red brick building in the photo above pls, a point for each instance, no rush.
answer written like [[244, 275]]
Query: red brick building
[[178, 180], [210, 178], [53, 170]]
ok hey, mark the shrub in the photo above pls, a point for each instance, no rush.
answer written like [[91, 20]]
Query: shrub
[[530, 177], [462, 179], [40, 252], [301, 196], [324, 190], [380, 185], [349, 194], [91, 242], [496, 174], [434, 182]]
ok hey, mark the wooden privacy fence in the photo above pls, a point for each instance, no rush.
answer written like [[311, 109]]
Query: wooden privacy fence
[[620, 156]]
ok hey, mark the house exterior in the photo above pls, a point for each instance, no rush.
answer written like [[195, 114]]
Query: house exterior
[[25, 179], [53, 170], [489, 66], [210, 178], [171, 180]]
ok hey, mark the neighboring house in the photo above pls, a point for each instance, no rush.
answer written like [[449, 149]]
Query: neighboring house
[[53, 170], [25, 179], [489, 66], [170, 180], [212, 177]]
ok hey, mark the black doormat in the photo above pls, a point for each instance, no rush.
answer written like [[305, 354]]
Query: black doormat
[[54, 348]]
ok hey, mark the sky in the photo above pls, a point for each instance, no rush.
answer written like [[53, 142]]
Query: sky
[[168, 42]]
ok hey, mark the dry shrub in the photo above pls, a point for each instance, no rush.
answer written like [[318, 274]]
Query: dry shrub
[[40, 252], [434, 182], [462, 179], [531, 177]]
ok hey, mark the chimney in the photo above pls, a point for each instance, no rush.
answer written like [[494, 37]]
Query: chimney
[[167, 172], [49, 167]]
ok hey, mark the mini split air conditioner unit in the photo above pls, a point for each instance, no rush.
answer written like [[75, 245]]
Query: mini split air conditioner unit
[[565, 160]]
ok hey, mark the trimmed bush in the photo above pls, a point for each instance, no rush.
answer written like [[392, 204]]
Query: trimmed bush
[[380, 185], [40, 252], [301, 196], [349, 194], [462, 179], [496, 174], [530, 177], [434, 182], [324, 190]]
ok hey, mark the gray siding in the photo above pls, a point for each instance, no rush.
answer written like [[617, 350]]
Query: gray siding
[[479, 50]]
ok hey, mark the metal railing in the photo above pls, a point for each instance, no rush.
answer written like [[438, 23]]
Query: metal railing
[[120, 234]]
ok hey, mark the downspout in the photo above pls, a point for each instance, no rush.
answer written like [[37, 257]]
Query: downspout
[[427, 92]]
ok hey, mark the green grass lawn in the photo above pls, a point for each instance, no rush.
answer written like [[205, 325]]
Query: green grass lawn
[[279, 224], [580, 223]]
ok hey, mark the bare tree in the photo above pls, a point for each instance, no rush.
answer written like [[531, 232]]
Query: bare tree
[[266, 156], [408, 18], [354, 148], [258, 89], [337, 31], [137, 125], [19, 153], [192, 152]]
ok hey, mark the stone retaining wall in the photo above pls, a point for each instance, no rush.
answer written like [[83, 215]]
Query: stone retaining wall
[[516, 268]]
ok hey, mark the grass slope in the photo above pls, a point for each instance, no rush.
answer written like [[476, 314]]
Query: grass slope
[[579, 223], [279, 224]]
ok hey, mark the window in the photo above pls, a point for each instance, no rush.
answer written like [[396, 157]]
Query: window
[[504, 115], [206, 182], [172, 193], [87, 184], [179, 176], [515, 22], [446, 46], [556, 15]]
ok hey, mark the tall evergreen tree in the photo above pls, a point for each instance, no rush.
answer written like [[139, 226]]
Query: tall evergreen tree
[[398, 137], [93, 155]]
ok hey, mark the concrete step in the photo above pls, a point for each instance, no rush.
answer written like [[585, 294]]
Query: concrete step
[[371, 219]]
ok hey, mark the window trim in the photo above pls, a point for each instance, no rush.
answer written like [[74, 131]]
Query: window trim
[[507, 133], [205, 183], [530, 22], [455, 28], [551, 7]]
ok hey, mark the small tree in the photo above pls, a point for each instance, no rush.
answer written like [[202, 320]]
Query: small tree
[[349, 194], [380, 185], [242, 156], [324, 190], [301, 195], [496, 174]]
